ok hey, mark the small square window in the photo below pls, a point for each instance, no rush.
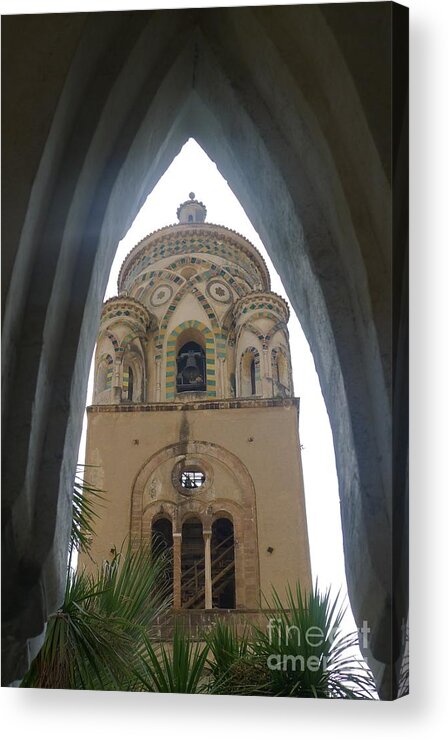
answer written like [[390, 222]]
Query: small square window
[[192, 479]]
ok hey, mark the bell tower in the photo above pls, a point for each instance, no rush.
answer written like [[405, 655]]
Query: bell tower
[[193, 431]]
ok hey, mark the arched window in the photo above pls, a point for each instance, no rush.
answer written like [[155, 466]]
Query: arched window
[[253, 387], [162, 546], [223, 564], [193, 565], [250, 372], [128, 383], [280, 372], [162, 535], [191, 368]]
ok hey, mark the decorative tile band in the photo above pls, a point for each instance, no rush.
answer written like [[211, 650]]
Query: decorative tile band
[[183, 246]]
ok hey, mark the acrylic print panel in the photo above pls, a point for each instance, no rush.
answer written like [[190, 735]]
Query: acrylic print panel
[[198, 570]]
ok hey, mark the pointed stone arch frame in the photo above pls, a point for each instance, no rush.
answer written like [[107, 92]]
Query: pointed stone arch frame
[[148, 281], [105, 360], [110, 335], [216, 328], [77, 193], [151, 277], [213, 271], [170, 382]]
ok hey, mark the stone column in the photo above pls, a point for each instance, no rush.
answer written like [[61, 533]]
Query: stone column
[[177, 570], [266, 383], [208, 568], [116, 387], [158, 381], [222, 378]]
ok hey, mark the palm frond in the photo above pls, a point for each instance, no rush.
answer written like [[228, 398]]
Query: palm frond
[[306, 652], [92, 641], [86, 499], [174, 667]]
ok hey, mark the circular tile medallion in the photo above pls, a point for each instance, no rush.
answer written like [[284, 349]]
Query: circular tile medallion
[[161, 294], [219, 291]]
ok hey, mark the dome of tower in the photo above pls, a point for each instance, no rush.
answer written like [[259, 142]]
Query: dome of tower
[[173, 253]]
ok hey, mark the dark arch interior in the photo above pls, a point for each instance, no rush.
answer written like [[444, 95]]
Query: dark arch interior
[[162, 546], [223, 564], [191, 368], [193, 571], [162, 535], [130, 390], [253, 386]]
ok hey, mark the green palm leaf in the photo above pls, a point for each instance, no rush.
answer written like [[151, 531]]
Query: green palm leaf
[[174, 667], [92, 641], [86, 499], [306, 652]]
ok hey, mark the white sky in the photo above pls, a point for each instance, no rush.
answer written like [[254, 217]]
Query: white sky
[[192, 170]]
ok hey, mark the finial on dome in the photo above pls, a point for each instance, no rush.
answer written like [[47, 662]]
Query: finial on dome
[[191, 211]]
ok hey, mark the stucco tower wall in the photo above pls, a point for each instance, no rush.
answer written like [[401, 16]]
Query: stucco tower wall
[[250, 451]]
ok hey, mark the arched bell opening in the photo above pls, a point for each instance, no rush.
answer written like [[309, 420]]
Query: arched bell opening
[[223, 564], [162, 547], [192, 565], [191, 366]]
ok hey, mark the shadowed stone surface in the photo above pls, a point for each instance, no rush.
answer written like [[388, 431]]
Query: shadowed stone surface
[[285, 101]]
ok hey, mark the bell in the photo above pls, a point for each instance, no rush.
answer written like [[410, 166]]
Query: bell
[[191, 372]]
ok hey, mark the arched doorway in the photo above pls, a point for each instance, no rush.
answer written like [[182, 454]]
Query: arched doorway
[[223, 564], [192, 565]]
